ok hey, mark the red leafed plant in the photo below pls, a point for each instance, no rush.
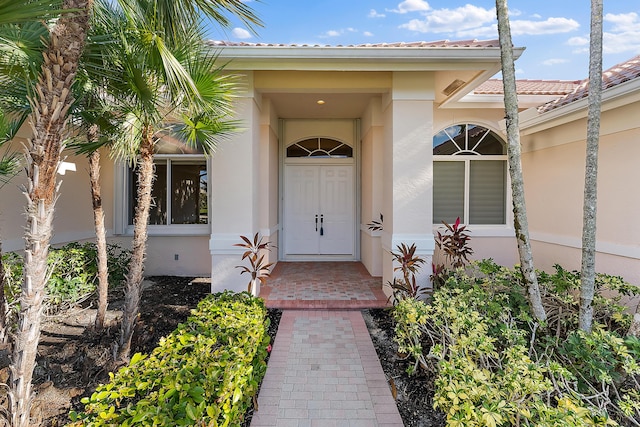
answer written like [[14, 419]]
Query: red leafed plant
[[258, 268], [410, 263], [455, 245]]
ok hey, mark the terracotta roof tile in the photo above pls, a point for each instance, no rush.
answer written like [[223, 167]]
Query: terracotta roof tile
[[614, 76], [529, 87], [432, 44]]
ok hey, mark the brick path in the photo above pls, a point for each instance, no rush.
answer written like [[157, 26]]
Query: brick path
[[323, 285], [324, 372]]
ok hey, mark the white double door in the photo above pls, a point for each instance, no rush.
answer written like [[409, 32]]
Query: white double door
[[319, 211]]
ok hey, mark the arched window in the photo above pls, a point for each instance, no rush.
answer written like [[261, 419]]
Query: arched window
[[469, 176], [319, 147]]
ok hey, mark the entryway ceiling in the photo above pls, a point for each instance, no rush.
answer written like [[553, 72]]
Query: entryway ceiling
[[305, 105]]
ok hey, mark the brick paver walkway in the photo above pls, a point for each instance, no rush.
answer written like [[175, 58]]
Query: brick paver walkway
[[324, 372], [323, 285]]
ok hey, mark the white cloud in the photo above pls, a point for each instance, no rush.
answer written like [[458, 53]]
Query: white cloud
[[624, 36], [623, 22], [411, 6], [548, 26], [477, 22], [367, 34], [452, 20], [555, 61], [341, 31], [621, 42], [374, 14], [578, 41], [241, 33]]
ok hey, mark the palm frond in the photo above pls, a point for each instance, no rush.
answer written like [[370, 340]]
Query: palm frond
[[13, 12]]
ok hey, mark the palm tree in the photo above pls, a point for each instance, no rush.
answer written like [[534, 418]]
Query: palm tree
[[50, 103], [168, 78], [521, 224], [588, 268]]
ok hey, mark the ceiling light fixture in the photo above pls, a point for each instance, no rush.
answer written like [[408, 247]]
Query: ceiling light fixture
[[320, 102]]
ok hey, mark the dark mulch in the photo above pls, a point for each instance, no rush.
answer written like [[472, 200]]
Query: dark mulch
[[414, 394], [74, 359]]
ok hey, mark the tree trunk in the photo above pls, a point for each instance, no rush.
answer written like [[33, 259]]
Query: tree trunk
[[515, 164], [101, 239], [133, 287], [634, 329], [50, 107], [588, 268]]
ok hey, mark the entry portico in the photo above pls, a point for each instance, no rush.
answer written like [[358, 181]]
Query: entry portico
[[334, 138]]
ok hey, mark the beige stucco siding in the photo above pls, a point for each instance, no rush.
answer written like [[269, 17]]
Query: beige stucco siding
[[553, 163]]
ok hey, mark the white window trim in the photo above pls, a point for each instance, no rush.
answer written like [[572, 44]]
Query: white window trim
[[122, 200]]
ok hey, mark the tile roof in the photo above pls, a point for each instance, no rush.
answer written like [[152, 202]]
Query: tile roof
[[529, 87], [614, 76], [433, 44]]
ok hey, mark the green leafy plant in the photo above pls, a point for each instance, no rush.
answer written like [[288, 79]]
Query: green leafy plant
[[258, 268], [494, 366], [73, 269], [204, 373]]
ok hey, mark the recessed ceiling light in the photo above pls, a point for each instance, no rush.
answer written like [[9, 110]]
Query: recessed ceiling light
[[320, 102]]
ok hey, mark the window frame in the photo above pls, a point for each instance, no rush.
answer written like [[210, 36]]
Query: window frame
[[505, 229], [126, 200]]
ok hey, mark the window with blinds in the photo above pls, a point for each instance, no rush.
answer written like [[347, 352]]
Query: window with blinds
[[469, 176]]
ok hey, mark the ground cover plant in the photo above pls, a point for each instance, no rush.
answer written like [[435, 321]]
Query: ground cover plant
[[494, 365], [207, 371]]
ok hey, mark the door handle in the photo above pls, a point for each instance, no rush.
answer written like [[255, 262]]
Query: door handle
[[316, 222], [322, 225]]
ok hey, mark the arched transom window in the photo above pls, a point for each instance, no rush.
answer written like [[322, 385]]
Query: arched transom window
[[469, 176], [320, 147]]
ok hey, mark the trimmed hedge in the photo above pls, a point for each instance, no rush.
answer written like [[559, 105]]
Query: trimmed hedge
[[206, 372]]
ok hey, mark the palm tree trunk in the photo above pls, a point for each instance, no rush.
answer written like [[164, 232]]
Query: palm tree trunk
[[101, 239], [50, 107], [521, 224], [588, 268], [133, 287]]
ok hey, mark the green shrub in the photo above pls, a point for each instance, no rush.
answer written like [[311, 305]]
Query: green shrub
[[204, 373], [494, 366], [73, 271]]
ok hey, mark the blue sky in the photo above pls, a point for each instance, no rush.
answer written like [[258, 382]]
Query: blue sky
[[555, 32]]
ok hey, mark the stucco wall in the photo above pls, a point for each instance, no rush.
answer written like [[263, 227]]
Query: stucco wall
[[371, 187], [73, 218], [553, 162]]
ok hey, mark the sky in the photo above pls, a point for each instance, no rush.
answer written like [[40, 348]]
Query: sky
[[555, 33]]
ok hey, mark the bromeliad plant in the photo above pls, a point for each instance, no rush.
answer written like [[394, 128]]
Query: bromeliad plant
[[258, 268]]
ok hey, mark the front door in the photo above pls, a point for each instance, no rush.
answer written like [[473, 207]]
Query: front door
[[319, 211]]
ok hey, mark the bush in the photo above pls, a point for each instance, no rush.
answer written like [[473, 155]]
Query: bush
[[73, 271], [495, 366], [204, 373]]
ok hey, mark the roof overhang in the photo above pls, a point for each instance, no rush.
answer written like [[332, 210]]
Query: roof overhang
[[531, 121], [359, 58]]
